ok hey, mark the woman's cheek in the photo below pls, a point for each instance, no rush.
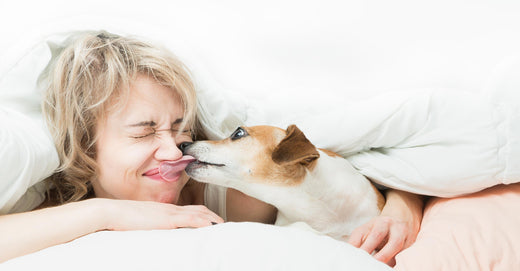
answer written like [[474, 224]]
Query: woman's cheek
[[140, 153]]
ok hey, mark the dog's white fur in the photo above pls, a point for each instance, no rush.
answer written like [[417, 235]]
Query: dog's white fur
[[330, 195]]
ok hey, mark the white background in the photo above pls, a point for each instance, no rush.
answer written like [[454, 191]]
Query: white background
[[309, 47]]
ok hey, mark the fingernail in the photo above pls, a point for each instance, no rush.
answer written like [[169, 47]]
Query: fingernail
[[213, 223]]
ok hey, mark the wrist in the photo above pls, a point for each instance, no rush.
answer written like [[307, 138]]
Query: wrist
[[405, 206], [99, 211]]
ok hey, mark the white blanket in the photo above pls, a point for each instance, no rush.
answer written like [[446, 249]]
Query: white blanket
[[441, 143], [27, 156], [229, 246], [438, 143]]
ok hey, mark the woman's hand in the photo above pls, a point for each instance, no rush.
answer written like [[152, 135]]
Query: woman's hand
[[147, 215], [392, 231], [60, 224]]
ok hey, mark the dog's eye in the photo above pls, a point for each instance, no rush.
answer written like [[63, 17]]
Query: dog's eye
[[238, 133]]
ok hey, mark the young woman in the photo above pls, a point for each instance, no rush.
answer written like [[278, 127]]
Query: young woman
[[117, 107]]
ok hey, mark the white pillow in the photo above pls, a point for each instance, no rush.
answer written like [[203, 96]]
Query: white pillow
[[228, 246], [28, 156]]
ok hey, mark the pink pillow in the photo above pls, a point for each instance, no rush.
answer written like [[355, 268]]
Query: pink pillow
[[480, 231]]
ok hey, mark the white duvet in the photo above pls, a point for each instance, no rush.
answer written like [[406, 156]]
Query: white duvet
[[442, 143], [437, 142]]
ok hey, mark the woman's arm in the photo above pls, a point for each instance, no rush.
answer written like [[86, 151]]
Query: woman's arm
[[394, 230], [29, 232], [25, 233]]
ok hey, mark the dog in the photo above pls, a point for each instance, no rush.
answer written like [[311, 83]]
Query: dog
[[283, 168]]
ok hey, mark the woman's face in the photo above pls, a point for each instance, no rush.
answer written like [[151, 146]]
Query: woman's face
[[135, 140]]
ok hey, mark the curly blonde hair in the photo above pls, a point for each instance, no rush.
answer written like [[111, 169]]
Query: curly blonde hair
[[90, 73]]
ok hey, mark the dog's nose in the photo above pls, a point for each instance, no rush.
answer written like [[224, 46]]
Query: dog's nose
[[184, 145]]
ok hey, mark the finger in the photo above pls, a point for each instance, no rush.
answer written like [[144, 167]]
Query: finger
[[358, 235], [409, 239], [195, 210], [215, 219], [391, 262], [188, 220], [392, 247], [396, 241], [374, 239], [209, 216], [192, 216], [204, 211]]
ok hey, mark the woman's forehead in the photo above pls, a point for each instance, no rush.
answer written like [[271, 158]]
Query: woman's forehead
[[146, 100]]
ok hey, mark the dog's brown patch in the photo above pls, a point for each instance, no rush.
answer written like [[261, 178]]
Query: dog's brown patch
[[286, 156], [380, 198], [295, 148]]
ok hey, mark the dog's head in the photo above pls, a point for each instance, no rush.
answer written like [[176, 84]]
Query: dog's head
[[254, 154]]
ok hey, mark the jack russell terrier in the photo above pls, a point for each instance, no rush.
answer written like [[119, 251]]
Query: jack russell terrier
[[283, 168]]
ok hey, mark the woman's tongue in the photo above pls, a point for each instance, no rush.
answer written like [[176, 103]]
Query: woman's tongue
[[170, 170]]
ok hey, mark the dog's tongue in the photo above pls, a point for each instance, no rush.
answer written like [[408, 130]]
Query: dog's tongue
[[170, 170]]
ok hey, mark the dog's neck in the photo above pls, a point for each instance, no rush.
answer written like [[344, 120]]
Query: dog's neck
[[330, 194]]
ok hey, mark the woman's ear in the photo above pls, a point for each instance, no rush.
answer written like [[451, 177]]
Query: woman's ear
[[295, 148]]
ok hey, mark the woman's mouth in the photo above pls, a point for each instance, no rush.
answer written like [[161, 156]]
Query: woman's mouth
[[154, 174], [170, 171]]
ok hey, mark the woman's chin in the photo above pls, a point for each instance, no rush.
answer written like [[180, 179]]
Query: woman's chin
[[173, 199], [165, 192], [165, 195]]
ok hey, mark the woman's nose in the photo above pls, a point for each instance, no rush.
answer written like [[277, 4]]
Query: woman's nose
[[168, 150]]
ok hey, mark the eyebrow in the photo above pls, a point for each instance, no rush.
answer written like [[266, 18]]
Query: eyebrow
[[143, 123], [177, 121], [151, 123]]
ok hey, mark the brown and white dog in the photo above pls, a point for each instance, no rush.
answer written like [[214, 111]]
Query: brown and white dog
[[283, 168]]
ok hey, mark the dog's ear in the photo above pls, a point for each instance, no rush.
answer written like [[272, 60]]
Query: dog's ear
[[295, 148]]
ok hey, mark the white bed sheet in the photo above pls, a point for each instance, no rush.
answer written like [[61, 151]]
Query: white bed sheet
[[228, 246]]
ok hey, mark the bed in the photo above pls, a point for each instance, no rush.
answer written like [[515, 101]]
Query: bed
[[253, 55]]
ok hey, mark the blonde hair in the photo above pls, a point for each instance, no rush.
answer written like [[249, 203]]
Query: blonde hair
[[91, 73]]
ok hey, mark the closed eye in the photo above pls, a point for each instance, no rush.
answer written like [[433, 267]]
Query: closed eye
[[238, 133], [183, 131], [143, 136]]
